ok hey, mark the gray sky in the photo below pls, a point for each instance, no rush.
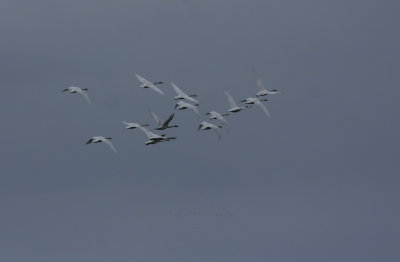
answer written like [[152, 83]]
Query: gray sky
[[319, 181]]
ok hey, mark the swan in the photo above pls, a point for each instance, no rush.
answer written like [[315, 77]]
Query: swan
[[234, 107], [218, 116], [256, 101], [208, 126], [148, 84], [261, 89], [182, 95], [183, 105], [98, 139], [75, 89], [152, 138], [163, 125], [132, 125]]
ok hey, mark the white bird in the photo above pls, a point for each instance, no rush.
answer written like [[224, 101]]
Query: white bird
[[98, 139], [153, 138], [208, 126], [75, 89], [256, 101], [182, 95], [133, 125], [261, 89], [148, 84], [183, 105], [234, 107], [218, 116], [163, 125]]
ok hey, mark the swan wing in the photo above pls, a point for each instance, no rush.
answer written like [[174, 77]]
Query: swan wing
[[169, 119], [107, 142], [180, 93], [158, 120], [232, 103], [83, 93], [263, 107], [260, 85]]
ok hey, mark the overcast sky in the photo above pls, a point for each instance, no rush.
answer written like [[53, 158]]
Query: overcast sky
[[319, 181]]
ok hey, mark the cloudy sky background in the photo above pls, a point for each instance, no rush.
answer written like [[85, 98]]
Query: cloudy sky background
[[319, 181]]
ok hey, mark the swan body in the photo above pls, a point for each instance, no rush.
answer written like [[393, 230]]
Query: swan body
[[99, 139], [81, 91], [133, 125]]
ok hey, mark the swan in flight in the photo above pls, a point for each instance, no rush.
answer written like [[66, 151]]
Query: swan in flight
[[148, 84], [152, 138], [183, 105], [182, 95], [218, 116], [256, 101], [98, 139], [261, 89], [163, 125], [234, 107], [75, 89], [132, 125], [208, 126]]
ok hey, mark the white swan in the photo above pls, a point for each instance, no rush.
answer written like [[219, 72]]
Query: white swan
[[261, 89], [218, 116], [148, 84], [75, 89], [133, 125], [182, 95], [98, 139], [163, 125], [234, 108], [153, 138], [208, 126], [256, 101], [183, 105]]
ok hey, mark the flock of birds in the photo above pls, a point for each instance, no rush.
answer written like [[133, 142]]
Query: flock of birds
[[182, 104]]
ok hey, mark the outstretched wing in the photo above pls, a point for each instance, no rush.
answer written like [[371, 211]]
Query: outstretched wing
[[109, 144], [144, 81], [169, 119], [89, 141], [83, 93], [150, 135], [258, 80], [230, 99], [263, 107], [179, 92], [215, 128], [158, 120], [194, 108], [222, 119], [156, 89]]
